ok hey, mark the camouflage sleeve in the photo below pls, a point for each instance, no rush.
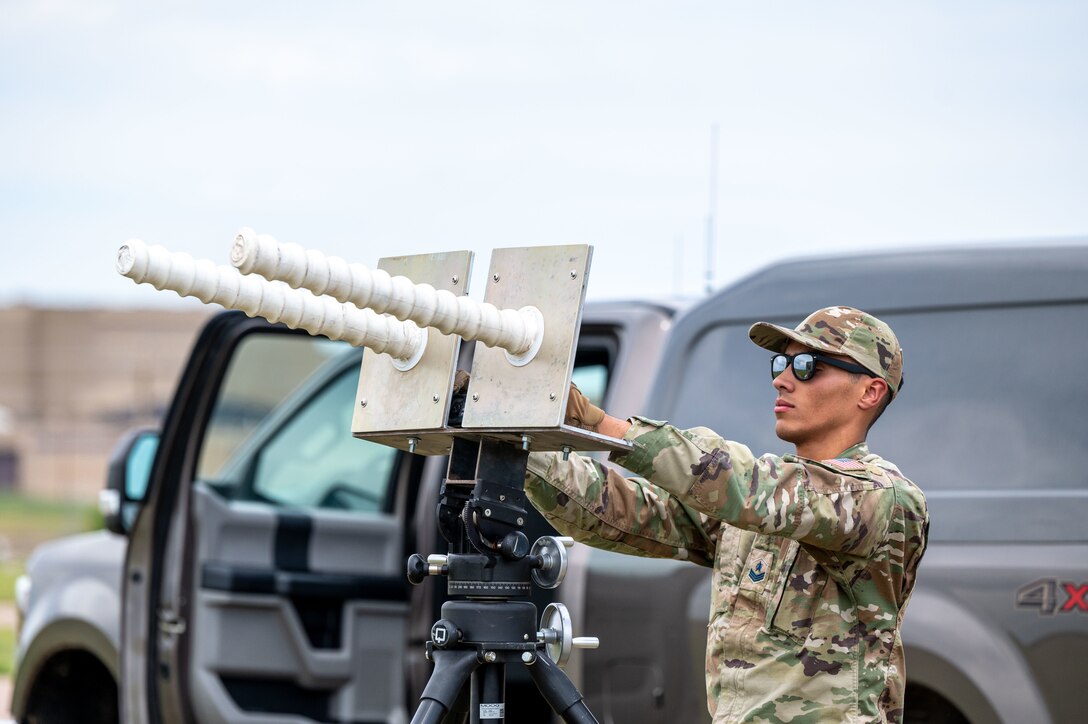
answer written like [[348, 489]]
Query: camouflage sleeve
[[816, 503], [596, 505]]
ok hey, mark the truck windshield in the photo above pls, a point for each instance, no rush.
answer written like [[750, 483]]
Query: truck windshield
[[990, 398]]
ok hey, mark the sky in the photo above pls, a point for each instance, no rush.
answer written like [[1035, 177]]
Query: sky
[[371, 129]]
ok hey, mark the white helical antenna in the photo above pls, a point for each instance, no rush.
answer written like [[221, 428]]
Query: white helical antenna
[[274, 301], [518, 331]]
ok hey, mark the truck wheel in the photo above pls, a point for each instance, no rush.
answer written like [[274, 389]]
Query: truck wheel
[[924, 706], [74, 686]]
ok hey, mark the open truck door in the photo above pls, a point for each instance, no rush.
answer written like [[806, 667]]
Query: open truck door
[[265, 576]]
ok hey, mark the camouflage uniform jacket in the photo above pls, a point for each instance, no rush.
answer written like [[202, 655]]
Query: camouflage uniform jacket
[[813, 562]]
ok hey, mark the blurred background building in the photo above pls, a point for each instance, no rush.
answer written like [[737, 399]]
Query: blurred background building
[[73, 380]]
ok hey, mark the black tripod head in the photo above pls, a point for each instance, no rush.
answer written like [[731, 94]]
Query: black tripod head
[[481, 514]]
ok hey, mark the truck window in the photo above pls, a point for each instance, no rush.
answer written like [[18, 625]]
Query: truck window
[[281, 429], [592, 380], [598, 348], [314, 461], [998, 387]]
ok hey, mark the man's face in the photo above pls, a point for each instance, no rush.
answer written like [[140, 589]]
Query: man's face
[[818, 408]]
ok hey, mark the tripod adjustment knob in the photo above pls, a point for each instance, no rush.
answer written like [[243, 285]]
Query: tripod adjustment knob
[[438, 564], [420, 567], [444, 633], [556, 634], [514, 546], [417, 569], [550, 567]]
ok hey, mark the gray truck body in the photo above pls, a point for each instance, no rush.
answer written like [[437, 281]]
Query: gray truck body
[[221, 621]]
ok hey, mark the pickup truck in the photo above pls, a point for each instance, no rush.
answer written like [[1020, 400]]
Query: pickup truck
[[263, 573]]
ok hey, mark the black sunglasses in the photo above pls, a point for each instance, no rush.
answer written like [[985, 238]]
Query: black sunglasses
[[804, 365]]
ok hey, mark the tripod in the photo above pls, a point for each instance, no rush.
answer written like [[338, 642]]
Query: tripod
[[481, 512]]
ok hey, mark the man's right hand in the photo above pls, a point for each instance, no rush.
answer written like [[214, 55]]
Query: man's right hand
[[581, 412]]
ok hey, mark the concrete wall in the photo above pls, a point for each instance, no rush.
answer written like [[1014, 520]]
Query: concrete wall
[[73, 380]]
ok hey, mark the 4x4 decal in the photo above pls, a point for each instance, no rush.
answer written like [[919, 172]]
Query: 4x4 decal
[[1043, 595]]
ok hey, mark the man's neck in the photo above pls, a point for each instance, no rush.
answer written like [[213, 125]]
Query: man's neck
[[826, 449]]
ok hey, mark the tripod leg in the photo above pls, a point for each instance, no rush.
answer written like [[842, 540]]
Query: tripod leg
[[458, 713], [455, 717], [562, 696], [451, 670], [488, 702]]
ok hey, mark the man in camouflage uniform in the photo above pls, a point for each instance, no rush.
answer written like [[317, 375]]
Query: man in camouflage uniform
[[814, 553]]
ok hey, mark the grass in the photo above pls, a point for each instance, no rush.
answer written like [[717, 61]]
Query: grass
[[7, 650], [9, 571], [26, 523]]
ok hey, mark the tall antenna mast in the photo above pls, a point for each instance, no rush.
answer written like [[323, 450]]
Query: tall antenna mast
[[678, 266], [711, 208]]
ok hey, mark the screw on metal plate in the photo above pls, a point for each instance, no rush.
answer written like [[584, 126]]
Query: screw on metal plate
[[412, 442], [551, 396], [362, 403], [502, 498], [573, 274], [494, 277], [491, 657], [566, 452], [521, 521], [525, 440], [527, 656], [434, 398], [475, 397], [455, 279], [487, 512]]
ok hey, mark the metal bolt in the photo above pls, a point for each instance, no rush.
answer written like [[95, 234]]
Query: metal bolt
[[455, 279], [573, 274], [362, 403], [525, 439], [491, 657], [487, 512], [427, 654], [494, 277], [525, 637], [412, 441], [521, 521], [566, 452], [502, 498], [551, 396], [475, 397], [434, 398], [527, 657]]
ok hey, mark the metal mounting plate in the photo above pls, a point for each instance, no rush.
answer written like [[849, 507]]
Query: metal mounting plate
[[530, 397], [392, 406], [556, 438]]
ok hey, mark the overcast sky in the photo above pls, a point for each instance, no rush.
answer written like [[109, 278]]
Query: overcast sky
[[377, 129]]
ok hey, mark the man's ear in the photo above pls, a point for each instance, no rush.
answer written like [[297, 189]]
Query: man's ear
[[875, 390]]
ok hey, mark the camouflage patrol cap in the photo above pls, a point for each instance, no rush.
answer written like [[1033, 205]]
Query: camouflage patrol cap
[[844, 331]]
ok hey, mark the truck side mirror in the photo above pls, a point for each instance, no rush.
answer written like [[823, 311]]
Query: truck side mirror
[[127, 478]]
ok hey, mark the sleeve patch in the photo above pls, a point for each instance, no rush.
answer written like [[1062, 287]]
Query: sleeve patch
[[846, 464]]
